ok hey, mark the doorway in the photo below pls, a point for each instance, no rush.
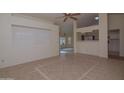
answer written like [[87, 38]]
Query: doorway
[[66, 38], [114, 43]]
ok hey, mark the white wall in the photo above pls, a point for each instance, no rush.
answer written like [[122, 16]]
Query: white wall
[[103, 35], [5, 38], [75, 38], [116, 21], [41, 40], [88, 47], [97, 48]]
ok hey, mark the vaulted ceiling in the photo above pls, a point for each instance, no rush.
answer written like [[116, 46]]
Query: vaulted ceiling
[[85, 19]]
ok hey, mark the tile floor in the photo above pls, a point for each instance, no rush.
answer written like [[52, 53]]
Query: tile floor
[[67, 67], [66, 50]]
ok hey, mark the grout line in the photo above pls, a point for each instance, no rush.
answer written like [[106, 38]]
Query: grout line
[[89, 70], [46, 64], [42, 74]]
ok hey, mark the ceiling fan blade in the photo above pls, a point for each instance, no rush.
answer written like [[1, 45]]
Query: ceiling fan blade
[[73, 18], [75, 14], [65, 19], [69, 14], [65, 14]]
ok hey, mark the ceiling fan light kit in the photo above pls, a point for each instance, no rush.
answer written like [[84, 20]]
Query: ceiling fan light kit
[[70, 16]]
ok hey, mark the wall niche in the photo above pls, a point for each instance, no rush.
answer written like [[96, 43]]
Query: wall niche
[[88, 36]]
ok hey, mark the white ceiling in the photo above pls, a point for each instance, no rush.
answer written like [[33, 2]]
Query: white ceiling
[[84, 19], [47, 16]]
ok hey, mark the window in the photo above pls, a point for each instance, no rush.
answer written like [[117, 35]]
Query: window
[[62, 41]]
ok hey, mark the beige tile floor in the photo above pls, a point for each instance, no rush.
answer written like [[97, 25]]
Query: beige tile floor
[[67, 67]]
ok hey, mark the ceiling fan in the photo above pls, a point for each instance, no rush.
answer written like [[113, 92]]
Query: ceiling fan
[[69, 15]]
